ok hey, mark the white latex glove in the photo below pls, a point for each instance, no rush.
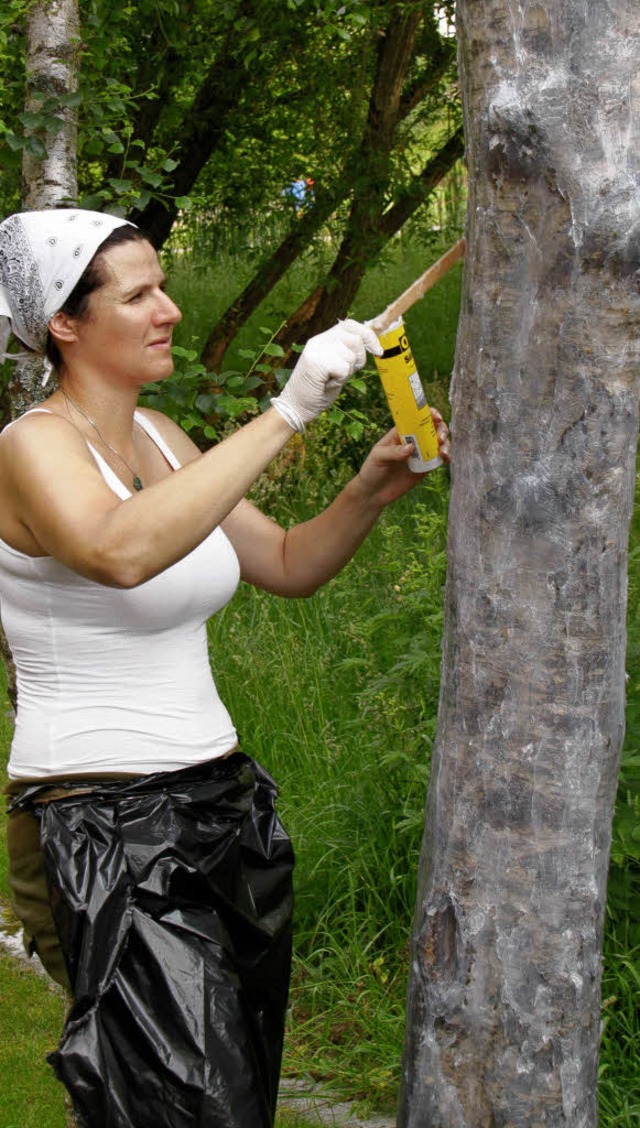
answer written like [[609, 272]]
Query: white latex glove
[[326, 363]]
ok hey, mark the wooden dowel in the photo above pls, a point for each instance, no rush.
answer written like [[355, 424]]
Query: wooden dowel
[[418, 288]]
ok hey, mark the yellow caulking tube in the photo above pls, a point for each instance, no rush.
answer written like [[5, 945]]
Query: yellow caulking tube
[[406, 398]]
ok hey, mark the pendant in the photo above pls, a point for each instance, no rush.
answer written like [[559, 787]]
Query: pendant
[[137, 484]]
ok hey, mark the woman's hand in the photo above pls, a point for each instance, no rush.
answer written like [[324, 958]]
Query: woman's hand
[[326, 363], [296, 562], [385, 474]]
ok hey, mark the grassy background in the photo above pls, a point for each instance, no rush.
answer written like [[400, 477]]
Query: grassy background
[[337, 696]]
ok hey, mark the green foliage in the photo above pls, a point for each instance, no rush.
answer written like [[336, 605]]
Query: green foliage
[[107, 105], [200, 402], [307, 68], [11, 101], [624, 875]]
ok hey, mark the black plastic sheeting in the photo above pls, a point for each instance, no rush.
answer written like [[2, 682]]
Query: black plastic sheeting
[[172, 898]]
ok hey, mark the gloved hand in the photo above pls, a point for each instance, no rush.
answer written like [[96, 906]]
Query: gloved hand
[[326, 363]]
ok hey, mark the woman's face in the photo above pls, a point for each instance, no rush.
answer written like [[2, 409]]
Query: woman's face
[[126, 332]]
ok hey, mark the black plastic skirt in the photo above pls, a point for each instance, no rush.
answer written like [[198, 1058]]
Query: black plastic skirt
[[172, 898]]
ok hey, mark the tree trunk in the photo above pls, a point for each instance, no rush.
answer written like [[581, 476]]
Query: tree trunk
[[52, 64], [49, 166], [49, 178], [504, 995]]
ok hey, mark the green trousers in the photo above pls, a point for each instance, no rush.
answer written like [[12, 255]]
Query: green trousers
[[30, 895]]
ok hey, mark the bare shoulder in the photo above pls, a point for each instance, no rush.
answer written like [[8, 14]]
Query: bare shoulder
[[45, 466], [39, 431], [36, 446], [183, 447]]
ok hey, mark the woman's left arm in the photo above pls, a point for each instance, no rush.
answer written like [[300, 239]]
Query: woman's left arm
[[297, 561]]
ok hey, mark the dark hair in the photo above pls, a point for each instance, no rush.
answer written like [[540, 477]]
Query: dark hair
[[90, 280]]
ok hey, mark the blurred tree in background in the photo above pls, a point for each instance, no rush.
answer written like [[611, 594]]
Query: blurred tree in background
[[194, 120]]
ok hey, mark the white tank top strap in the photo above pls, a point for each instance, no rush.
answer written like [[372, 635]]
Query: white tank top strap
[[110, 477], [32, 411], [157, 438]]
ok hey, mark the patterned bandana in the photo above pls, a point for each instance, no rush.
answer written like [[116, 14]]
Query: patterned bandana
[[42, 256]]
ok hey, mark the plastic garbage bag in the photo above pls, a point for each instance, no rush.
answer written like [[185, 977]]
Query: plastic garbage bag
[[172, 898]]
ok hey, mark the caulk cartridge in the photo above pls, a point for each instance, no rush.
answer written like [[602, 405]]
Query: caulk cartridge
[[406, 398]]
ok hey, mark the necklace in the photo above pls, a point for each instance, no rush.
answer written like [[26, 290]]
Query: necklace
[[135, 474]]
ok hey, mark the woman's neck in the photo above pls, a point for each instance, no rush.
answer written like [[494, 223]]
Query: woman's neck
[[99, 409]]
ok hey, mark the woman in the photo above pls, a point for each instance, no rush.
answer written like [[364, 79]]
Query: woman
[[168, 872]]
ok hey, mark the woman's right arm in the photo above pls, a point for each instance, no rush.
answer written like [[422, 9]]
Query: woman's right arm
[[72, 514], [59, 496]]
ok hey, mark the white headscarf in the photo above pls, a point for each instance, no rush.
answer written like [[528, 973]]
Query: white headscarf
[[42, 256]]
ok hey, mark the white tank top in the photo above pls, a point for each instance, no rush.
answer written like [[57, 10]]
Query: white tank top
[[114, 680]]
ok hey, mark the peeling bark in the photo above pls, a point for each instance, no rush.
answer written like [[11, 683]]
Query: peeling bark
[[504, 995]]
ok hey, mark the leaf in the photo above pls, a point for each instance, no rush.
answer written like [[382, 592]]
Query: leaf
[[35, 146], [151, 177], [15, 143], [272, 349], [32, 120], [120, 186], [191, 420], [169, 165], [71, 100], [188, 354], [142, 199], [93, 201], [11, 159], [93, 147], [183, 202], [206, 402]]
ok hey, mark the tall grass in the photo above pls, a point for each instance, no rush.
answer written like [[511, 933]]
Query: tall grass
[[337, 696]]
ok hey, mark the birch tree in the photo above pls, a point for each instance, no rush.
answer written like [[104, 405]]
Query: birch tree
[[49, 156], [504, 995], [49, 171], [48, 165]]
